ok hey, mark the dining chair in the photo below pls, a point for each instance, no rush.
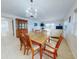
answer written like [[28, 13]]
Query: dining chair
[[51, 50], [28, 45], [20, 38]]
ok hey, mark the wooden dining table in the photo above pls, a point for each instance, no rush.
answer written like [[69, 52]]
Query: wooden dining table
[[39, 39]]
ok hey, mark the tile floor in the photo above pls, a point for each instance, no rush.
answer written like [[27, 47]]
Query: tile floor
[[10, 50]]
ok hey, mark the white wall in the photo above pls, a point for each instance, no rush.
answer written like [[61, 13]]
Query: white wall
[[70, 32]]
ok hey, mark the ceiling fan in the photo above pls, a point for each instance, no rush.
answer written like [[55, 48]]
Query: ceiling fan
[[31, 12]]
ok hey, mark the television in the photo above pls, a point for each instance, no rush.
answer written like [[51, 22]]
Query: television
[[59, 27]]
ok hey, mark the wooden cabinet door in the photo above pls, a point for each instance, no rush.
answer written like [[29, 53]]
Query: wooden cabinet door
[[21, 26]]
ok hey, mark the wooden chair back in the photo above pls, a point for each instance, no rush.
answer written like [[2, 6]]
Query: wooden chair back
[[59, 41], [26, 40]]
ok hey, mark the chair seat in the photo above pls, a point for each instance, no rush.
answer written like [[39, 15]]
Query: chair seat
[[49, 54]]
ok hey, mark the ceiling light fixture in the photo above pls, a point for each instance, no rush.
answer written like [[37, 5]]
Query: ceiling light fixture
[[31, 11]]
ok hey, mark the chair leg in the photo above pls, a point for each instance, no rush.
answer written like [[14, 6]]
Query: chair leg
[[27, 50], [54, 56], [21, 46], [24, 50]]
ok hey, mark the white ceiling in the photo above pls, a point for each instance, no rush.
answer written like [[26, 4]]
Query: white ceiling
[[47, 10]]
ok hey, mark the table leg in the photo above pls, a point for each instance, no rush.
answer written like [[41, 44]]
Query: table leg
[[40, 51]]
